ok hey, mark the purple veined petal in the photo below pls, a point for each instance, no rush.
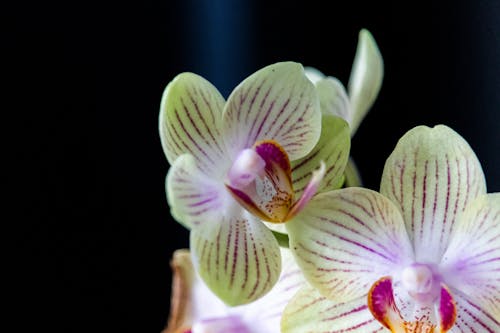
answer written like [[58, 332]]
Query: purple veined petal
[[190, 122], [276, 103], [431, 176], [471, 317], [471, 263], [237, 256], [333, 149], [193, 196], [346, 239], [310, 312], [264, 315]]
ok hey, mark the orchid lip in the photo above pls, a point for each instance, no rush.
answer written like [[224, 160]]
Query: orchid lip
[[382, 305], [260, 179]]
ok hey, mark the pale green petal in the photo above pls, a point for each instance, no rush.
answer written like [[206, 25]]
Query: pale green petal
[[313, 74], [194, 197], [333, 149], [431, 176], [352, 175], [471, 263], [366, 78], [277, 103], [190, 121], [333, 98], [344, 240], [237, 257], [309, 312]]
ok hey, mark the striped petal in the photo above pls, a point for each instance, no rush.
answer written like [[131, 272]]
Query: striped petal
[[333, 98], [431, 177], [333, 149], [237, 256], [310, 312], [471, 263], [346, 239], [472, 318], [190, 122], [366, 78], [194, 197], [264, 315], [276, 103]]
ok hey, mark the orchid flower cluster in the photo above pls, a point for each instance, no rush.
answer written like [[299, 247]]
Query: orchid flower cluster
[[284, 239]]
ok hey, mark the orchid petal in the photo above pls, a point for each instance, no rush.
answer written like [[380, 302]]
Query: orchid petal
[[471, 317], [277, 103], [346, 239], [264, 315], [193, 196], [191, 300], [313, 74], [190, 121], [431, 176], [237, 256], [227, 324], [366, 78], [471, 263], [333, 98], [309, 312], [333, 149], [352, 175], [309, 192]]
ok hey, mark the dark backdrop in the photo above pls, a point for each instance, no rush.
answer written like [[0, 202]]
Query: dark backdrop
[[95, 233]]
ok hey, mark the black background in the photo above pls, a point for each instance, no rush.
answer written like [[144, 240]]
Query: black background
[[95, 235]]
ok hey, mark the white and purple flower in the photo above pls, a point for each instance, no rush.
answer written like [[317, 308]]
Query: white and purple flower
[[235, 164], [195, 309], [423, 255]]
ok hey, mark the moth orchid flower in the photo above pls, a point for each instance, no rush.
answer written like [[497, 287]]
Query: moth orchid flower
[[423, 255], [364, 85], [236, 163], [195, 309]]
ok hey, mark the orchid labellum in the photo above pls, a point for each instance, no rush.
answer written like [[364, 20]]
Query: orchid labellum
[[423, 255]]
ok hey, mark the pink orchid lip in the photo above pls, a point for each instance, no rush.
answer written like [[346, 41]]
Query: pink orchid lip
[[261, 181], [383, 308]]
